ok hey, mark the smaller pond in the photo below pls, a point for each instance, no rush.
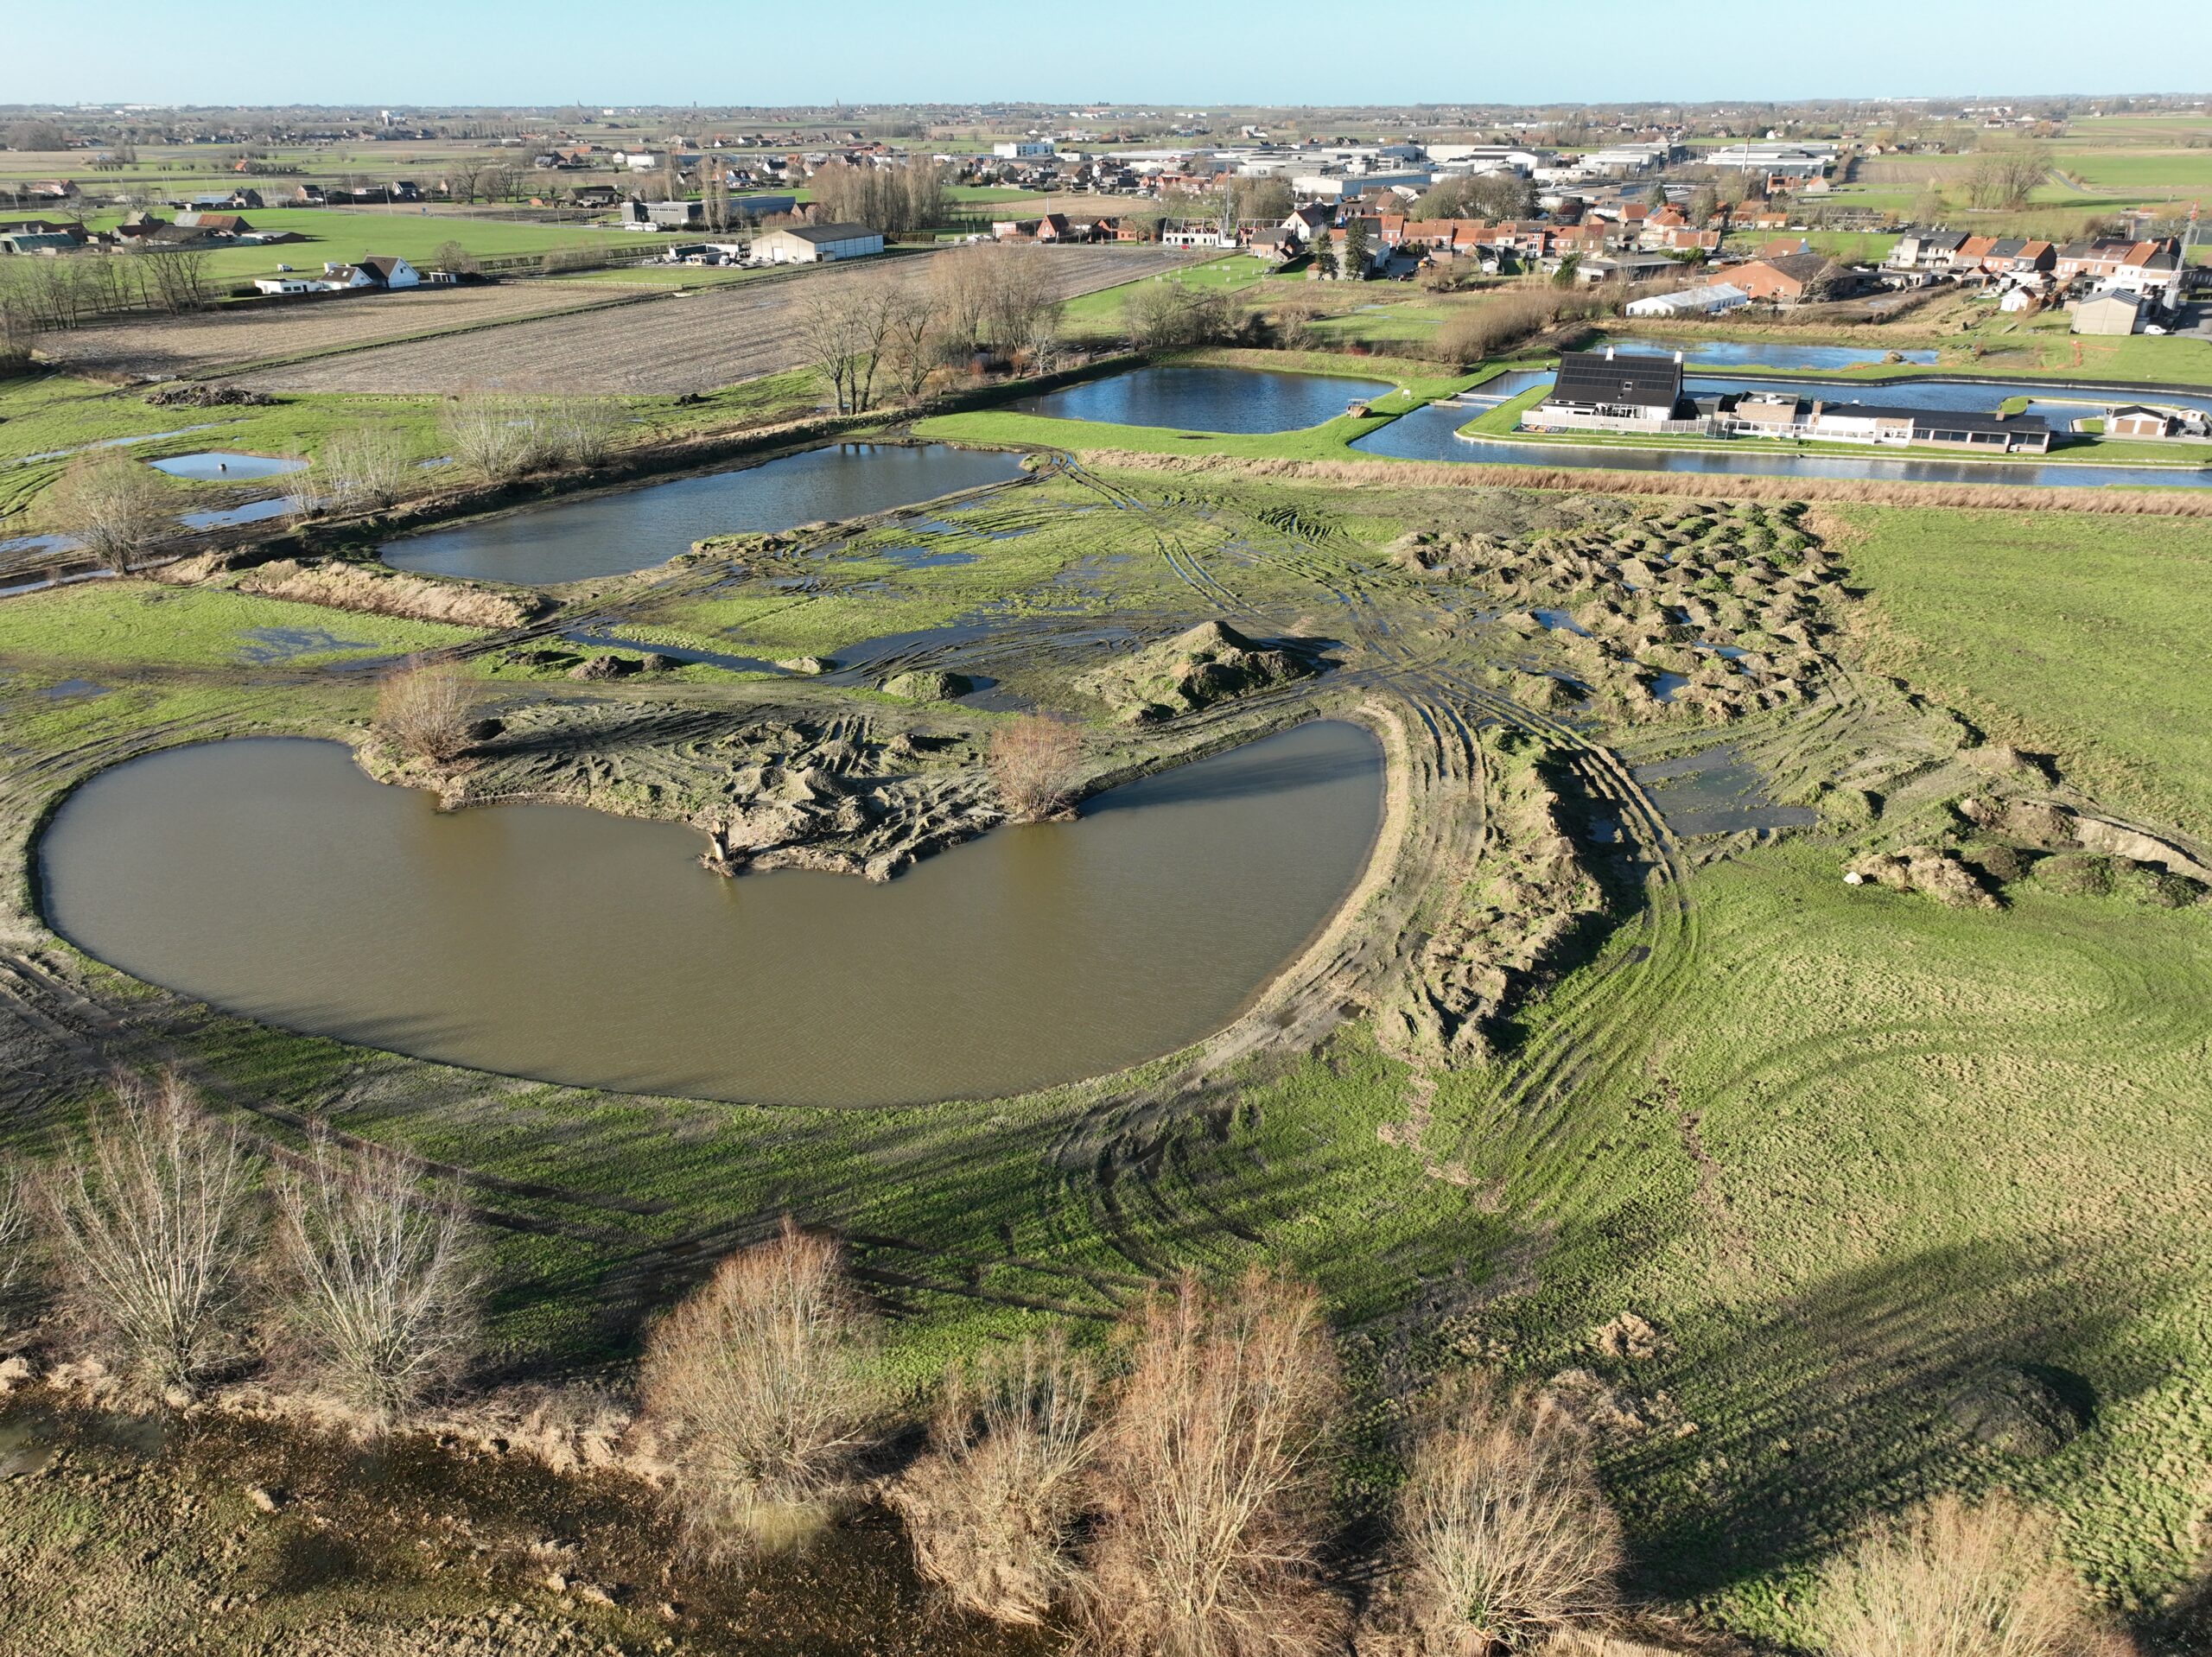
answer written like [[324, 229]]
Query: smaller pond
[[1768, 353], [615, 532], [254, 512], [1243, 400], [215, 466], [1716, 792]]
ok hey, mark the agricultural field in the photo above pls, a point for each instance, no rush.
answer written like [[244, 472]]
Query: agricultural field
[[1896, 1183], [692, 343], [175, 346]]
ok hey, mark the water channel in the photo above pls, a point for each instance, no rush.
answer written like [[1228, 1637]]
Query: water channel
[[1245, 400], [270, 877], [614, 532], [1430, 433]]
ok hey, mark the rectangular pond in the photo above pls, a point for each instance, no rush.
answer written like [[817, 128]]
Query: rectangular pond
[[613, 532], [1240, 400]]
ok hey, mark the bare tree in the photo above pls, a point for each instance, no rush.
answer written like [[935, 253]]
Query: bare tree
[[916, 344], [422, 709], [1955, 1581], [450, 255], [766, 1382], [383, 1286], [465, 176], [175, 275], [113, 504], [908, 196], [363, 470], [1036, 760], [1504, 1536], [1214, 1478], [993, 1509], [492, 436], [2005, 177], [155, 1225], [848, 328], [959, 291], [1025, 305], [1167, 313]]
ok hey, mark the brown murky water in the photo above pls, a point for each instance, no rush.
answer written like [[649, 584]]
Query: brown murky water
[[268, 876]]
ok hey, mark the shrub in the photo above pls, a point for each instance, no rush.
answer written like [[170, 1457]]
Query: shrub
[[422, 709], [363, 470], [992, 1509], [382, 1291], [1955, 1581], [111, 504], [492, 436], [1036, 761], [1503, 1535], [1213, 1478], [155, 1228], [766, 1383]]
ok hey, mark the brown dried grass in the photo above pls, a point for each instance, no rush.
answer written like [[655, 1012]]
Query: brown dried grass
[[1450, 474], [993, 1509], [765, 1384], [422, 709], [1504, 1536], [374, 591], [1214, 1478], [1955, 1581], [1036, 761]]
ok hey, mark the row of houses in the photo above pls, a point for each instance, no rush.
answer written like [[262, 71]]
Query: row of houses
[[2136, 266]]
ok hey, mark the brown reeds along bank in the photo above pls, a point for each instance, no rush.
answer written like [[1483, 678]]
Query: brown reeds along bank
[[1504, 1538], [372, 589], [155, 1227], [15, 1240], [423, 710], [993, 1509], [1036, 761], [1214, 1478], [1449, 475], [765, 1385], [1958, 1581]]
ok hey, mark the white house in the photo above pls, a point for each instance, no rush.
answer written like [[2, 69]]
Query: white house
[[379, 270], [816, 243]]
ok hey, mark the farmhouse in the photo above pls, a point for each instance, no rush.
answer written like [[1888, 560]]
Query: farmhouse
[[1783, 280], [816, 243], [1624, 392]]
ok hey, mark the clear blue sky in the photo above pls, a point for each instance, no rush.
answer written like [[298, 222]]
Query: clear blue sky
[[1186, 55]]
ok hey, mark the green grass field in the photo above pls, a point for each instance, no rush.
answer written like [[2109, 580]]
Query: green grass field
[[2064, 643], [92, 626]]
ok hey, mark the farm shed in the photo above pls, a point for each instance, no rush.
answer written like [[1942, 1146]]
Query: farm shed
[[2109, 314], [816, 243]]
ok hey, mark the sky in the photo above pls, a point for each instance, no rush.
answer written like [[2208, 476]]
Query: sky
[[1158, 54]]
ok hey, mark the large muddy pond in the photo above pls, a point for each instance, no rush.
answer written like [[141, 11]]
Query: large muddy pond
[[1207, 399], [270, 877], [614, 533]]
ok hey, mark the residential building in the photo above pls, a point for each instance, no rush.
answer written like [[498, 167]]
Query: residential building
[[1783, 280], [1615, 390], [816, 243], [2138, 419]]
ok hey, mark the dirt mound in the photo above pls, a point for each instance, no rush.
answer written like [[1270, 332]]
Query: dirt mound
[[2016, 1412], [928, 684], [1925, 869], [194, 395], [374, 590], [1211, 662]]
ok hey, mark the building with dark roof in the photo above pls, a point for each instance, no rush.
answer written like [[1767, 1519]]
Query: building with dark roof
[[1624, 391]]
